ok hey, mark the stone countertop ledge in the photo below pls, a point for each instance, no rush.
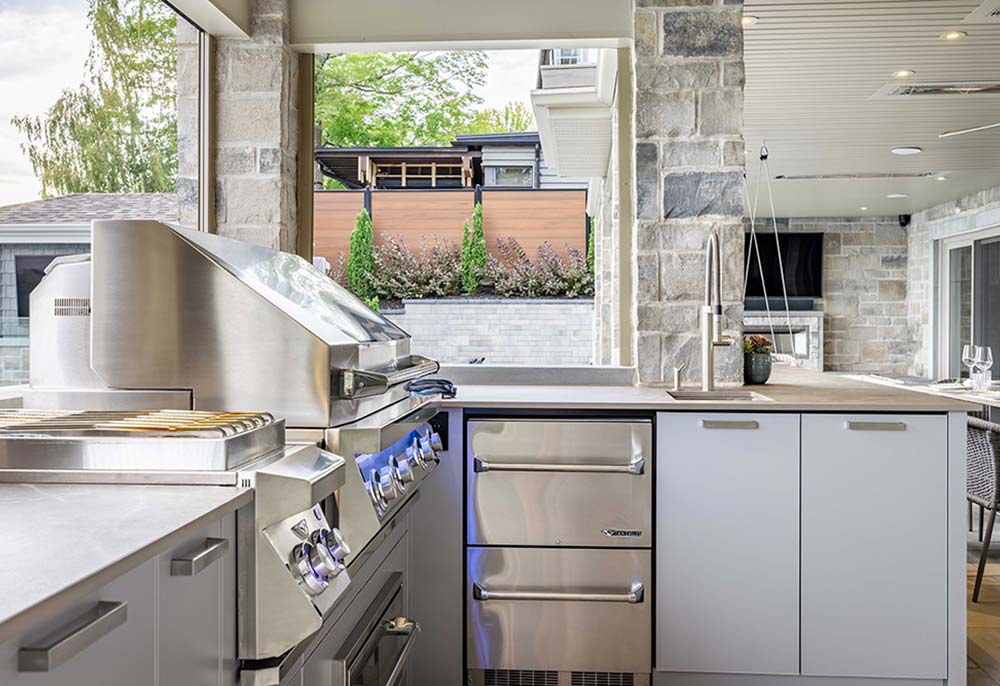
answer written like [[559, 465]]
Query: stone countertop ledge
[[104, 531], [789, 390]]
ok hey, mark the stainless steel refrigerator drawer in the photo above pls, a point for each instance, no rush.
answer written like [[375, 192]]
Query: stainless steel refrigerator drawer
[[559, 609], [560, 482]]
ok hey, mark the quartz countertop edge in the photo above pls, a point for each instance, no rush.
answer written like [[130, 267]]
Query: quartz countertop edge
[[163, 517], [789, 390]]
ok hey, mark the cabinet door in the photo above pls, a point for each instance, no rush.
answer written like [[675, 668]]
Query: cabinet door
[[190, 607], [874, 546], [116, 647], [727, 547]]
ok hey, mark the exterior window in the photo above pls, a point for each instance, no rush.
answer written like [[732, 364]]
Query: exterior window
[[959, 307], [970, 299], [570, 56], [509, 176], [29, 270]]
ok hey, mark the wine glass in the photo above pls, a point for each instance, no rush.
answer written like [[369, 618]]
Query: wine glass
[[968, 357], [984, 361]]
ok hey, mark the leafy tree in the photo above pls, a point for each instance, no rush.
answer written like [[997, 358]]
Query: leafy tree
[[474, 256], [117, 131], [361, 260], [590, 246], [513, 117], [396, 99]]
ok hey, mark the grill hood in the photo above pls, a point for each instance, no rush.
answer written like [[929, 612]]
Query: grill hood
[[239, 326]]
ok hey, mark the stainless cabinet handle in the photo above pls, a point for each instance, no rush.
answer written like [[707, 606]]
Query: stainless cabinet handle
[[74, 638], [194, 562], [637, 467], [729, 424], [876, 426], [636, 594], [401, 627]]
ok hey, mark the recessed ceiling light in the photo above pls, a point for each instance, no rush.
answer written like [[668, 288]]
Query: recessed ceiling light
[[903, 73], [895, 196], [940, 178], [907, 150], [954, 35], [864, 209], [749, 20]]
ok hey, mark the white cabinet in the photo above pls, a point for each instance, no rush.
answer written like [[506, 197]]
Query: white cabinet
[[192, 585], [874, 545], [727, 543], [109, 637]]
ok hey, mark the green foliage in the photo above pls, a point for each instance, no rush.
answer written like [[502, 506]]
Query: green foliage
[[474, 255], [372, 302], [515, 275], [756, 344], [396, 99], [514, 117], [117, 131], [361, 259], [400, 273]]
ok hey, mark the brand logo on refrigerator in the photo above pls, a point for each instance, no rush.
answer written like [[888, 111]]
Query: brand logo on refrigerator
[[633, 533]]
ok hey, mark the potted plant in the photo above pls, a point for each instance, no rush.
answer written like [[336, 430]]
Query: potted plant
[[756, 360]]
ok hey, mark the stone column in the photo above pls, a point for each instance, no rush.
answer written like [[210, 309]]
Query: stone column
[[257, 131], [689, 179]]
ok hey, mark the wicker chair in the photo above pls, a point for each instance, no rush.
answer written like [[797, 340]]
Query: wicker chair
[[983, 459]]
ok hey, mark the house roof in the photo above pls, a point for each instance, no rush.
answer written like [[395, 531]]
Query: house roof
[[478, 139], [81, 208]]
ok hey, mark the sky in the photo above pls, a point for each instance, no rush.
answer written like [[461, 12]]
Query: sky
[[43, 47]]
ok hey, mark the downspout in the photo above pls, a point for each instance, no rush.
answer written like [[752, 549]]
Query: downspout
[[536, 179]]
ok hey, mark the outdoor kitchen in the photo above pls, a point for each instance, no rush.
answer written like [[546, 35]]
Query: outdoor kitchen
[[263, 442]]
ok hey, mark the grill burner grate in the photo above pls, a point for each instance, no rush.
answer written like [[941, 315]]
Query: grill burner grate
[[179, 423]]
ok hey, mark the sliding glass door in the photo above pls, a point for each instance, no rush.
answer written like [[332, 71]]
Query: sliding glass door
[[970, 298]]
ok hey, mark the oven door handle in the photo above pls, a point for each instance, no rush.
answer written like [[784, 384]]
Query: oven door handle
[[636, 467], [401, 626], [635, 595]]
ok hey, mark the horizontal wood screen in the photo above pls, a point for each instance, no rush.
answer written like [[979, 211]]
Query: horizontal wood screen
[[533, 217], [529, 216], [334, 213]]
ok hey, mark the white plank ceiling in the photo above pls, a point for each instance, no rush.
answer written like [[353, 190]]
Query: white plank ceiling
[[812, 68]]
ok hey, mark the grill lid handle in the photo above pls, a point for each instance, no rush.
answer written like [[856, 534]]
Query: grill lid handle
[[356, 383]]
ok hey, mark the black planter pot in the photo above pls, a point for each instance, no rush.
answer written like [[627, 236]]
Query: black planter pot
[[756, 368]]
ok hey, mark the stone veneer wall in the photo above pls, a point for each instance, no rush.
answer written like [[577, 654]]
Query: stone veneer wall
[[605, 224], [256, 96], [970, 213], [529, 332], [866, 327], [689, 179]]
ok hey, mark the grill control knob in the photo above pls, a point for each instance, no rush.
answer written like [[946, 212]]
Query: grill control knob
[[401, 468], [304, 561], [374, 486], [430, 452], [416, 455], [435, 440], [391, 488], [326, 546]]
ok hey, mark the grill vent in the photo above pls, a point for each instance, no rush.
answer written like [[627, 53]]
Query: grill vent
[[602, 679], [71, 307], [520, 677]]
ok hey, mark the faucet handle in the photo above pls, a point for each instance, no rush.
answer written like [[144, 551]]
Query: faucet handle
[[725, 341]]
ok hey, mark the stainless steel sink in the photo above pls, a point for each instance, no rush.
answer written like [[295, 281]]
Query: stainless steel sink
[[719, 396]]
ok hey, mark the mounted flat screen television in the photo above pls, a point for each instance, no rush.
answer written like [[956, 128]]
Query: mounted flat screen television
[[802, 259]]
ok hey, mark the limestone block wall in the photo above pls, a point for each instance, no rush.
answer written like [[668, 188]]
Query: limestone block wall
[[689, 179], [542, 332]]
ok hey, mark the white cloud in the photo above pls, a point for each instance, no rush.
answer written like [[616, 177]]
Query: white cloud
[[42, 52]]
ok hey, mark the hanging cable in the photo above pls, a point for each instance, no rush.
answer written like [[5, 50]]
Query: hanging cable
[[777, 247], [755, 250]]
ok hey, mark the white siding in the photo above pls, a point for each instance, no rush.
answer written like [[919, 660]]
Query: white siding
[[524, 155]]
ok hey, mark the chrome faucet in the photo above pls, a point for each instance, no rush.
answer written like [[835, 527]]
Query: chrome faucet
[[711, 314]]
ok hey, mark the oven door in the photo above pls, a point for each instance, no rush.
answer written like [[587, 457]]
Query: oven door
[[565, 482], [376, 652]]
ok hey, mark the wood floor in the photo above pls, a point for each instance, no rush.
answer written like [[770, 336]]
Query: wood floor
[[984, 619]]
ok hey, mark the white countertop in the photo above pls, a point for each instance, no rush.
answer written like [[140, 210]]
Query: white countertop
[[789, 390], [101, 531]]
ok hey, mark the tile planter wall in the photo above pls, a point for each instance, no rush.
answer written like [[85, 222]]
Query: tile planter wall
[[504, 331]]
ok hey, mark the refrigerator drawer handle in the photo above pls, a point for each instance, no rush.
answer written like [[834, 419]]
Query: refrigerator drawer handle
[[636, 594], [876, 426], [194, 562], [80, 634], [636, 467]]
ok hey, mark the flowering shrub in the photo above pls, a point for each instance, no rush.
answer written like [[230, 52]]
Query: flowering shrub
[[399, 273], [515, 275]]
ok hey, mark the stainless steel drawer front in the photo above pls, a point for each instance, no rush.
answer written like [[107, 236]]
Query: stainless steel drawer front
[[559, 609], [560, 482]]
